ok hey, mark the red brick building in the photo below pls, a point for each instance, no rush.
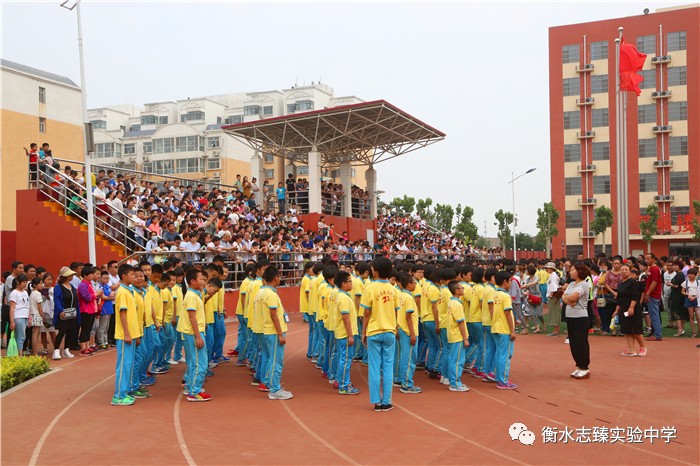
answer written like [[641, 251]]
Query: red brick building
[[663, 130]]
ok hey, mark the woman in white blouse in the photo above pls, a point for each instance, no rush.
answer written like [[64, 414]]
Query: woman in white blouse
[[577, 321]]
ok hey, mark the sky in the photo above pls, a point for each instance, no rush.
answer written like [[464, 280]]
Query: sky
[[477, 71]]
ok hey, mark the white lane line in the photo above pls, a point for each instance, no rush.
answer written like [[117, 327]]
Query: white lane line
[[178, 432], [29, 382], [47, 432], [308, 429], [448, 431]]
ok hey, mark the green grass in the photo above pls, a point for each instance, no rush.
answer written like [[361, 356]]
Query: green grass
[[15, 370]]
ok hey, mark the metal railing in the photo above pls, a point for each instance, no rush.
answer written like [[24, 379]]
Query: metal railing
[[143, 175], [111, 224]]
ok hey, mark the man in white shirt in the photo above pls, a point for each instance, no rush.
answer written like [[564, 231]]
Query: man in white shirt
[[191, 247], [666, 294], [246, 247]]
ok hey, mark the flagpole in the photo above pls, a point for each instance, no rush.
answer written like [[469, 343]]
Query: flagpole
[[623, 175], [618, 149]]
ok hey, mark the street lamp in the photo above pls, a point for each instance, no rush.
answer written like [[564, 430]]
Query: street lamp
[[515, 222], [88, 168]]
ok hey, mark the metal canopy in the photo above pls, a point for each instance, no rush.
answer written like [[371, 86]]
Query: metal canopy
[[362, 134]]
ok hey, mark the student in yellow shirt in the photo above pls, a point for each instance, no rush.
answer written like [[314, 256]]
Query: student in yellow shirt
[[475, 329], [327, 302], [379, 334], [220, 314], [255, 353], [167, 334], [154, 318], [359, 279], [313, 309], [457, 337], [431, 320], [126, 324], [407, 321], [275, 332], [192, 328], [464, 275], [141, 378], [333, 317], [503, 330], [422, 345], [304, 308], [322, 295], [179, 296], [243, 343], [210, 302], [446, 276], [487, 361], [345, 332]]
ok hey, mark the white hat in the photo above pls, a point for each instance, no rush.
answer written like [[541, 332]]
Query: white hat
[[550, 265]]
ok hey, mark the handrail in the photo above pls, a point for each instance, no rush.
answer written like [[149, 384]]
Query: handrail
[[67, 191], [187, 181]]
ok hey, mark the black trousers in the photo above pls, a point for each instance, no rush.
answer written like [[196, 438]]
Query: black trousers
[[86, 323], [578, 340], [67, 329]]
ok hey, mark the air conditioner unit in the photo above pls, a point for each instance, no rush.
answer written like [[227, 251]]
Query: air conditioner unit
[[146, 159], [590, 100], [666, 128], [660, 94], [590, 166], [658, 198], [668, 163], [588, 66], [665, 93], [661, 59], [590, 134], [132, 159], [662, 129], [668, 197], [216, 175], [591, 200]]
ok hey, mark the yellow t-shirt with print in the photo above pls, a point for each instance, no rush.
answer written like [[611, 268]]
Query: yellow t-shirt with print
[[455, 315], [443, 302], [430, 297], [382, 301], [487, 299], [474, 314], [502, 303], [193, 302], [250, 297], [242, 292], [270, 301], [407, 305], [345, 305], [125, 301], [304, 291]]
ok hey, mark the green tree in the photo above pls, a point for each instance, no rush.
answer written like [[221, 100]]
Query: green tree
[[444, 215], [481, 242], [547, 218], [466, 229], [648, 227], [504, 219], [602, 220], [696, 224], [404, 205], [423, 207], [541, 243], [525, 241]]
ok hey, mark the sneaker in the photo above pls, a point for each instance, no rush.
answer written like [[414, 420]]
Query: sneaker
[[240, 364], [459, 388], [148, 381], [583, 374], [67, 354], [628, 354], [255, 382], [94, 348], [201, 396], [212, 364], [397, 384], [280, 395], [158, 370], [643, 351], [388, 407], [410, 390], [84, 352], [653, 338], [433, 375], [336, 385], [140, 393], [478, 374], [56, 354], [349, 391], [490, 377], [444, 381], [126, 401], [506, 386], [314, 360], [566, 340], [263, 388], [233, 352], [103, 347], [209, 374], [173, 362], [222, 359], [331, 381], [575, 372], [378, 407]]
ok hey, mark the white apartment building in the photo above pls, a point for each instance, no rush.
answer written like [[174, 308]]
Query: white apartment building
[[184, 138]]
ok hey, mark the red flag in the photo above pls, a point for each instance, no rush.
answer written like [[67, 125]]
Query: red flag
[[631, 61]]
